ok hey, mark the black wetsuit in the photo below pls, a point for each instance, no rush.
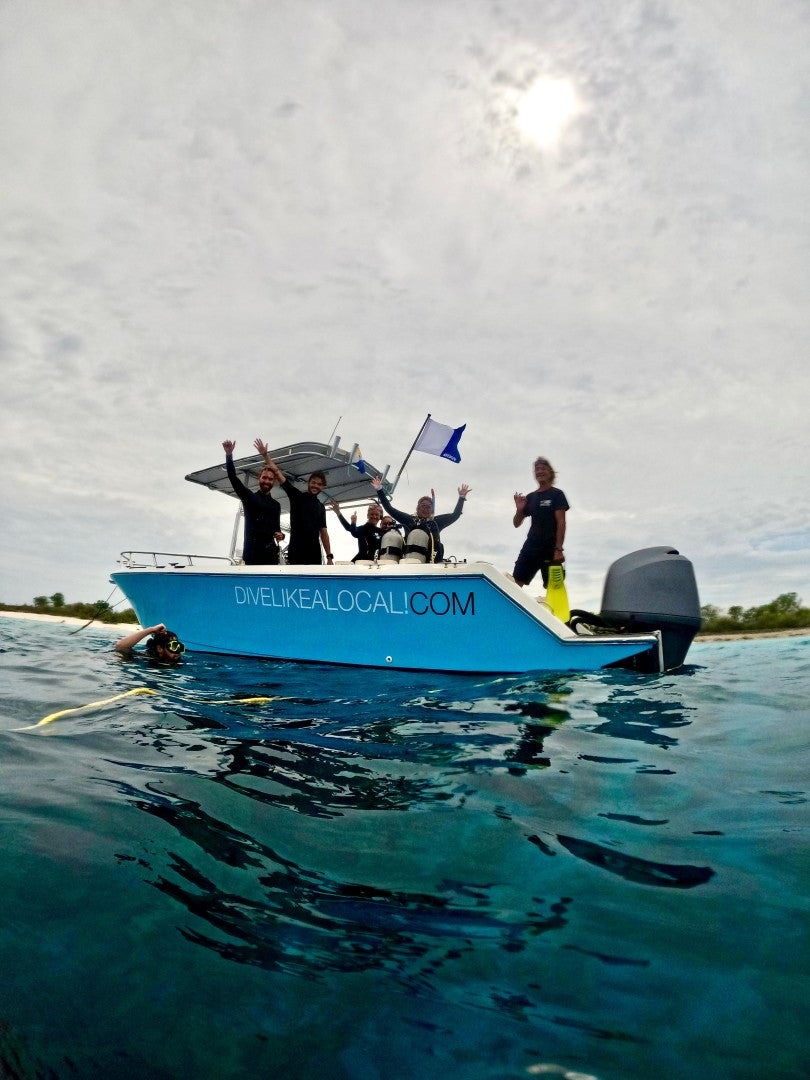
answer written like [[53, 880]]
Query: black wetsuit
[[538, 550], [262, 521], [432, 526], [307, 518], [368, 538]]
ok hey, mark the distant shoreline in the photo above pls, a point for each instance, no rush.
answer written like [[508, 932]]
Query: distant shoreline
[[748, 635], [67, 620]]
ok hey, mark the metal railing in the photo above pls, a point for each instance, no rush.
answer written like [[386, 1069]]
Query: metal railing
[[162, 560]]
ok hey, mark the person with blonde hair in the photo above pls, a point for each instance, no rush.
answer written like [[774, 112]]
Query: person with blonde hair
[[368, 535], [546, 509], [424, 518]]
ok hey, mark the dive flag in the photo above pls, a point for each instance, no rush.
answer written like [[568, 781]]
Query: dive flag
[[357, 459], [439, 439]]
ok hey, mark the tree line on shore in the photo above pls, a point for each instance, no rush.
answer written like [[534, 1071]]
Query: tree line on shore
[[783, 613], [55, 604]]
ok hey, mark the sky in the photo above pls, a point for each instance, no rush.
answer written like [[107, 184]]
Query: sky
[[580, 229]]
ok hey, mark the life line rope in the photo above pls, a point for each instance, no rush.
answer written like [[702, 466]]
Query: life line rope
[[49, 719]]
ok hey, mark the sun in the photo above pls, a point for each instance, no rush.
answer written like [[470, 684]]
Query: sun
[[544, 110]]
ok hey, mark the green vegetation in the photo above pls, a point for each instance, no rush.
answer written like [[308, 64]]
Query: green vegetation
[[56, 605], [783, 613]]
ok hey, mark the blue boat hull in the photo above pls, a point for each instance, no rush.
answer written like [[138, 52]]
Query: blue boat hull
[[466, 619]]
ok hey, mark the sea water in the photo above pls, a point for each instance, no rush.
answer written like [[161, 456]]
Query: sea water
[[262, 869]]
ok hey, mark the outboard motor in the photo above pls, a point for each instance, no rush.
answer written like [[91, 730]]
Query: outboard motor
[[417, 548], [391, 547], [654, 589]]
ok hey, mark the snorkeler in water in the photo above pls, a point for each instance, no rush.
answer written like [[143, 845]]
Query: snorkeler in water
[[164, 646]]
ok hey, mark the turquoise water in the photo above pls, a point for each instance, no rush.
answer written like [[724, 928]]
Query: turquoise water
[[402, 875]]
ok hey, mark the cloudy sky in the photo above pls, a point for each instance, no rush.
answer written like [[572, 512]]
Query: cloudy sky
[[579, 228]]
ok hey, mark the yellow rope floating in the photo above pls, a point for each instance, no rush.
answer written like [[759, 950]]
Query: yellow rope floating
[[144, 690], [90, 705]]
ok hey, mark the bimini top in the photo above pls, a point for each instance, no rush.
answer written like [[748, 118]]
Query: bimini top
[[344, 481]]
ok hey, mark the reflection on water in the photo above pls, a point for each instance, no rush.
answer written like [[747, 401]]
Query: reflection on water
[[307, 922], [376, 756], [643, 871], [626, 715], [310, 781]]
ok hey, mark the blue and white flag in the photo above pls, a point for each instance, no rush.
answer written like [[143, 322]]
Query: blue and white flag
[[439, 439], [357, 460]]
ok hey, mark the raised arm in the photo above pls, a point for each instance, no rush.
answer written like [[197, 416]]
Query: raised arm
[[443, 520], [335, 505], [397, 515], [263, 450], [128, 643], [229, 446], [520, 509]]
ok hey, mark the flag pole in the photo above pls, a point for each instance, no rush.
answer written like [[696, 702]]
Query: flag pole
[[405, 462]]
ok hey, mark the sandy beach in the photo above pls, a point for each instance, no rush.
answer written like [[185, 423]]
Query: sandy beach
[[751, 635], [124, 628], [35, 616]]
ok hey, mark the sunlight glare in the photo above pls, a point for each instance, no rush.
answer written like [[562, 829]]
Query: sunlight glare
[[545, 108]]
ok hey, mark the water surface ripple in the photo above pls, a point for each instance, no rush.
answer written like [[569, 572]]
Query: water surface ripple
[[268, 869]]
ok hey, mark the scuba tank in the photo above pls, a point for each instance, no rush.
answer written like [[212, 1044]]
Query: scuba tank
[[391, 546], [418, 546]]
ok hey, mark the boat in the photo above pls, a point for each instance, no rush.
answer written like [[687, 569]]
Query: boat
[[455, 616]]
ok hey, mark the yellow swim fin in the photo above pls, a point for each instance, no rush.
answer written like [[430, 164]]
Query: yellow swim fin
[[556, 596]]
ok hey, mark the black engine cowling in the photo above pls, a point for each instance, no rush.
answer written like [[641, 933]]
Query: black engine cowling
[[654, 589]]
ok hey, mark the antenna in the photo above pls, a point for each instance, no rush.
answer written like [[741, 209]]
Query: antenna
[[334, 429]]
